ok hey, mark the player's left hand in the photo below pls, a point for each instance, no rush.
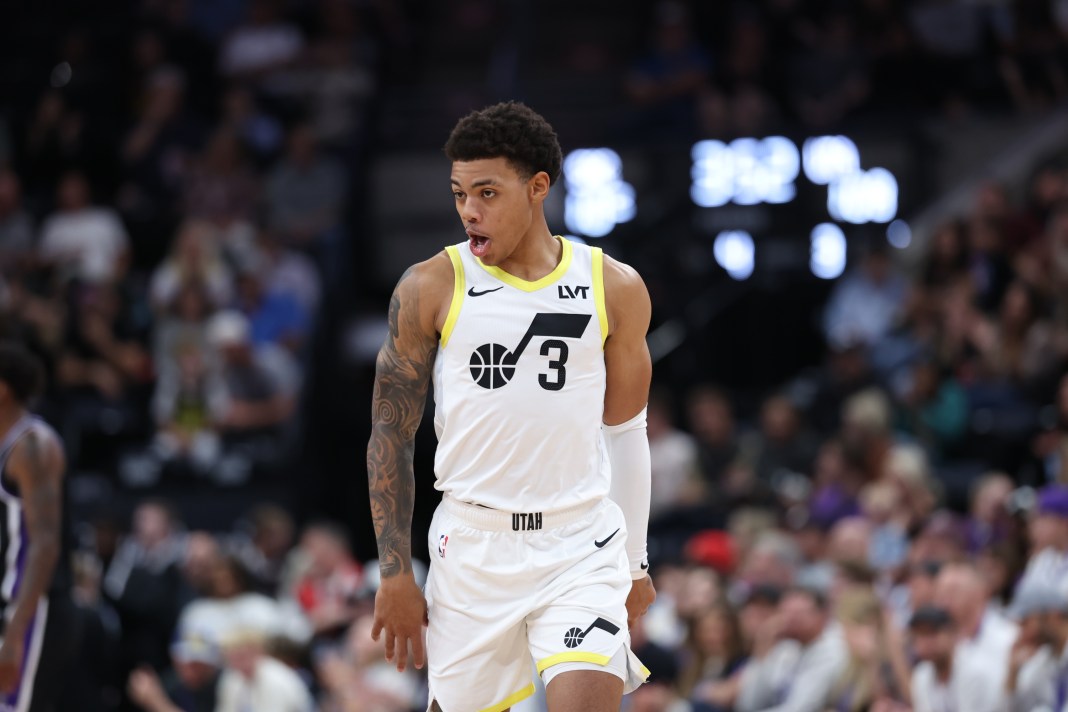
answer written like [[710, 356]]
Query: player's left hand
[[10, 663], [642, 594]]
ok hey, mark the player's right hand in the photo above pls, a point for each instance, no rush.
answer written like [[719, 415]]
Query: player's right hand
[[641, 596], [400, 611]]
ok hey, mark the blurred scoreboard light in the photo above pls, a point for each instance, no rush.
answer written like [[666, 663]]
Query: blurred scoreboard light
[[899, 234], [863, 197], [747, 171], [751, 171], [735, 252], [598, 198], [827, 258], [758, 174], [827, 158]]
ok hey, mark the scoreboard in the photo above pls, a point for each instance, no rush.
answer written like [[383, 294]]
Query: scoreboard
[[816, 191]]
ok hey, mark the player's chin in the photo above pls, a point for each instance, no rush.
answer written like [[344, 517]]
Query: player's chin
[[489, 258]]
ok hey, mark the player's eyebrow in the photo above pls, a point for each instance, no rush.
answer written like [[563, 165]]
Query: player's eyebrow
[[478, 183]]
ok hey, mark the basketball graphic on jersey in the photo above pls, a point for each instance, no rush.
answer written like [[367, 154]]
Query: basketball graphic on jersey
[[493, 365], [488, 367], [574, 636]]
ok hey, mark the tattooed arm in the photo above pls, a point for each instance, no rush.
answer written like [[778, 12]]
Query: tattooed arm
[[36, 466], [402, 375]]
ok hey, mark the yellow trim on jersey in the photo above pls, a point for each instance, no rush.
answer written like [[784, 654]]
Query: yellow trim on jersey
[[598, 292], [646, 672], [512, 280], [458, 285], [511, 699], [594, 658]]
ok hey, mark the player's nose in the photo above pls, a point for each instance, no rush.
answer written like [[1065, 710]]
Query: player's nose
[[469, 213]]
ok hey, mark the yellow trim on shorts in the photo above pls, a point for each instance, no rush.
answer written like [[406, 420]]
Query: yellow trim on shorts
[[646, 672], [511, 699], [598, 292], [518, 283], [458, 285], [594, 658]]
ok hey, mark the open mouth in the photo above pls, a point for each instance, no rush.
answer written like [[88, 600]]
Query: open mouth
[[479, 244]]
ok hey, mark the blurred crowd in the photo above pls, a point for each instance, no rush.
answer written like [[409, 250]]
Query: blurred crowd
[[261, 617], [744, 68], [888, 530], [175, 209], [168, 228]]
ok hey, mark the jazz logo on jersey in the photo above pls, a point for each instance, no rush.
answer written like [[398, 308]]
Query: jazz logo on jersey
[[442, 541], [493, 365]]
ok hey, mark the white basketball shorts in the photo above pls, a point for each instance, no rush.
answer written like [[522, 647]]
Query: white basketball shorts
[[506, 587]]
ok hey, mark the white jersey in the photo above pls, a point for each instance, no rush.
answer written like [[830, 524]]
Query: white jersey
[[519, 382]]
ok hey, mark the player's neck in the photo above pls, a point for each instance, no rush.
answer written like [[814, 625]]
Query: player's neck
[[536, 255], [8, 418]]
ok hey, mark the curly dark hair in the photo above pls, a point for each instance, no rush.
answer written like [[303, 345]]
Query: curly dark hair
[[21, 371], [508, 130]]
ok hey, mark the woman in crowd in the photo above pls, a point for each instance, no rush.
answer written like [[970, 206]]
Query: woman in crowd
[[877, 675], [715, 652]]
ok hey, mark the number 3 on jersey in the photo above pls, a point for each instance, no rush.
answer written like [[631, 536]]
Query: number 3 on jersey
[[493, 365], [557, 364]]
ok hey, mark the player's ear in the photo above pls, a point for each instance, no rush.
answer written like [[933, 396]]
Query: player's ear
[[539, 186]]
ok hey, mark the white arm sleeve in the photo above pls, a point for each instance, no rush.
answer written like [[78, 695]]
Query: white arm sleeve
[[628, 451]]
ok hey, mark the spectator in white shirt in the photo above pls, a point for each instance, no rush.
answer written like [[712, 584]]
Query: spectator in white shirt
[[673, 453], [984, 636], [797, 658], [867, 303], [86, 242], [195, 256], [1048, 533], [1038, 665], [254, 681], [266, 42], [232, 606], [944, 680], [260, 383]]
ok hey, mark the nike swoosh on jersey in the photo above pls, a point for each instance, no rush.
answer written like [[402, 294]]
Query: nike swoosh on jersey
[[604, 541], [472, 293]]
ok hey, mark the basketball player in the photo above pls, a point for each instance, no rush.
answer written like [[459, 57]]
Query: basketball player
[[34, 644], [536, 348]]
